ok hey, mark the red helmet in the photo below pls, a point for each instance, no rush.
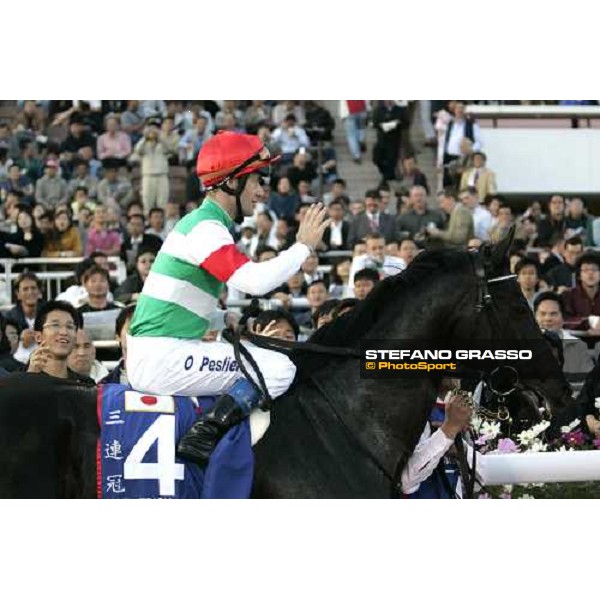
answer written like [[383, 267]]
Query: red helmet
[[228, 155]]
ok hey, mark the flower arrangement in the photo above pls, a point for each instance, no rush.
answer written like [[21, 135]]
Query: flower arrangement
[[488, 439]]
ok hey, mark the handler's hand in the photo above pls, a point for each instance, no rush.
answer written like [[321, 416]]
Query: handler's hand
[[458, 417], [594, 426], [313, 225]]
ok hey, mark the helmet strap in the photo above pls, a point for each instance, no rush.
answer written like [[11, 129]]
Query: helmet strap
[[239, 217]]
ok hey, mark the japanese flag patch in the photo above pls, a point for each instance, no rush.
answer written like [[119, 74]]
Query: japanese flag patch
[[138, 402]]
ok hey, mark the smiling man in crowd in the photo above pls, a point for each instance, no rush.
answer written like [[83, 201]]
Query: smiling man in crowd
[[55, 330]]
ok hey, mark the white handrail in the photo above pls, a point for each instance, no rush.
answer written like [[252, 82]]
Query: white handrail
[[529, 112], [268, 304], [120, 274]]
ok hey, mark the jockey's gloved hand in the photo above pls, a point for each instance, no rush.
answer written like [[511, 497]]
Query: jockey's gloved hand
[[229, 410]]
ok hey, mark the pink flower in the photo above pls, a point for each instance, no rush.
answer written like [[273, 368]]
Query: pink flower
[[597, 443], [484, 497], [574, 438], [506, 446]]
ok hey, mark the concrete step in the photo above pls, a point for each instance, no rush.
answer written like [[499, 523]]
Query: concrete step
[[362, 177]]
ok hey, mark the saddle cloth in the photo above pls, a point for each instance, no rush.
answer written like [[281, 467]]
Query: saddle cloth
[[136, 449]]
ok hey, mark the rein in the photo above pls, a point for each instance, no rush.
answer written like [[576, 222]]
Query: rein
[[234, 337]]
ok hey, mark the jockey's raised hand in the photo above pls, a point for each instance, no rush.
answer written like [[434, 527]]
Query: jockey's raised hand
[[313, 226]]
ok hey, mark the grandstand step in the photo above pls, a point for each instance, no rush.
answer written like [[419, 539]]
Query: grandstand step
[[360, 178]]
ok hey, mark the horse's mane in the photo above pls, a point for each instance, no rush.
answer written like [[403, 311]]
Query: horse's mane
[[349, 328]]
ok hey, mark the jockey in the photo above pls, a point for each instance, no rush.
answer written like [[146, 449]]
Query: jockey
[[178, 303]]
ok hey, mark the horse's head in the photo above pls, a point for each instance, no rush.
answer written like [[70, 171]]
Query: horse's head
[[493, 308]]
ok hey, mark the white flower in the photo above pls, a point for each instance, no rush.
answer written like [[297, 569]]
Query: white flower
[[526, 437], [538, 446], [572, 425], [476, 422], [597, 402], [540, 428], [507, 489], [490, 430], [526, 497]]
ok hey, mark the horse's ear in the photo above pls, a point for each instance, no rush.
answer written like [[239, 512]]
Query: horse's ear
[[499, 252]]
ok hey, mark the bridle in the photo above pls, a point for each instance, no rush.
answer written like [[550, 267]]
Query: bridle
[[484, 303], [394, 478]]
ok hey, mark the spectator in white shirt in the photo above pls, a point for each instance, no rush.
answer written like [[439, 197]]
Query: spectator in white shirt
[[290, 138], [283, 109], [460, 127], [153, 108], [375, 258], [482, 218]]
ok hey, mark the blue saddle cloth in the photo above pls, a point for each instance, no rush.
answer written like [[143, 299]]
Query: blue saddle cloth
[[136, 451]]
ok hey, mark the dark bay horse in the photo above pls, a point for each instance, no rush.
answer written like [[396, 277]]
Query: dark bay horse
[[333, 435]]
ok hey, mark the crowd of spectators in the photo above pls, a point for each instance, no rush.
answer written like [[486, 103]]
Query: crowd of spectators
[[92, 180]]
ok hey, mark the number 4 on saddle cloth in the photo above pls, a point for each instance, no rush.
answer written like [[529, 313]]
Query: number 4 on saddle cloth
[[136, 450]]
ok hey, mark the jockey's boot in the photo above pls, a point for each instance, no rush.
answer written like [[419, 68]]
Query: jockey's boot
[[229, 409]]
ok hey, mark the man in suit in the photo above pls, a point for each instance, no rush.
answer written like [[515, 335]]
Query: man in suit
[[479, 176], [136, 239], [563, 275], [372, 220], [549, 311], [389, 118], [335, 236], [460, 225], [416, 219]]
